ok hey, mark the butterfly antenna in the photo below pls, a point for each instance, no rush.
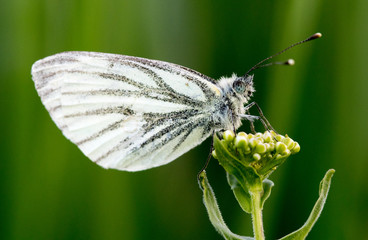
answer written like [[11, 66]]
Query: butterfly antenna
[[289, 62], [258, 65]]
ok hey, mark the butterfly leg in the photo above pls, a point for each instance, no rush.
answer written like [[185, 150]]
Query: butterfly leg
[[207, 161], [252, 118], [232, 119], [251, 124], [264, 120]]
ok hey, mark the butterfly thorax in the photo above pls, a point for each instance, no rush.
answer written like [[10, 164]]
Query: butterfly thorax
[[235, 93]]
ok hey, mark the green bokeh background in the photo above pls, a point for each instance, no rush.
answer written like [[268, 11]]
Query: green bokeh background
[[50, 190]]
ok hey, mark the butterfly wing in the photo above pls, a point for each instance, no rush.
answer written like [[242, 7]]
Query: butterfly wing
[[125, 112]]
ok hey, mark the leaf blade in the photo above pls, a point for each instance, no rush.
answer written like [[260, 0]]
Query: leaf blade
[[302, 232]]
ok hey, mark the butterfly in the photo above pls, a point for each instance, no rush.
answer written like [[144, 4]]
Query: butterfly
[[131, 113]]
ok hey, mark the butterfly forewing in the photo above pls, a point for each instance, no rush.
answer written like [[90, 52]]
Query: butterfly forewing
[[126, 112]]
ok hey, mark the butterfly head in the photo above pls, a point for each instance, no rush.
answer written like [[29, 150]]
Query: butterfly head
[[244, 85]]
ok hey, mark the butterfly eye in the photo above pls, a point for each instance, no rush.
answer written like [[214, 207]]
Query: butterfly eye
[[239, 86]]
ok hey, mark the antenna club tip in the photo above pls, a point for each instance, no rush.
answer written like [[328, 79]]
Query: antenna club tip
[[290, 62], [315, 36]]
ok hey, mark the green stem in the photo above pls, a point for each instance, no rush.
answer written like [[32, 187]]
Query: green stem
[[257, 215]]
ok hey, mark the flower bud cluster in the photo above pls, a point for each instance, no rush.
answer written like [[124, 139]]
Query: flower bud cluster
[[259, 149]]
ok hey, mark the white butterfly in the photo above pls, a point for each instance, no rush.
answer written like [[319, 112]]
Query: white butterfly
[[131, 113]]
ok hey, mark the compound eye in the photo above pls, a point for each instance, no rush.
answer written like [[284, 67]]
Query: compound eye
[[239, 86]]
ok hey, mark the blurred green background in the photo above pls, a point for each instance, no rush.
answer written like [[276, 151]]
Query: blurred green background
[[50, 190]]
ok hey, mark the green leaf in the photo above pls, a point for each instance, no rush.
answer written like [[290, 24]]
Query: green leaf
[[241, 196], [245, 175], [214, 211], [267, 187], [302, 232]]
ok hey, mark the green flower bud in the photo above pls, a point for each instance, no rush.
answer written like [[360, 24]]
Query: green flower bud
[[278, 156], [280, 147], [229, 136], [256, 156], [260, 148], [253, 142], [286, 153], [288, 142], [267, 137], [279, 138], [247, 150], [242, 134], [259, 135], [270, 147], [241, 142], [296, 148], [292, 145]]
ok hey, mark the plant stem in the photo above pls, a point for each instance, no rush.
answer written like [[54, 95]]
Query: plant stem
[[257, 215]]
